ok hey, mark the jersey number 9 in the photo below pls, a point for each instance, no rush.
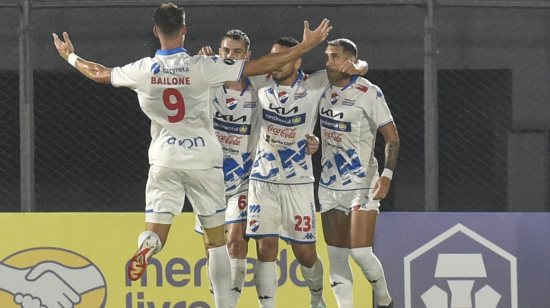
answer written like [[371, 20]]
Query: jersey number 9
[[179, 105]]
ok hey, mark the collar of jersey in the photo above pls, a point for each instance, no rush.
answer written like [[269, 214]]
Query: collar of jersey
[[168, 52], [242, 92], [301, 75], [353, 79]]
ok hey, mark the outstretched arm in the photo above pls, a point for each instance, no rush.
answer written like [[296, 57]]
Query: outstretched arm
[[94, 71], [271, 62], [382, 186]]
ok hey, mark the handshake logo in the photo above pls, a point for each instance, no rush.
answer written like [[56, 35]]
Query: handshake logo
[[50, 278]]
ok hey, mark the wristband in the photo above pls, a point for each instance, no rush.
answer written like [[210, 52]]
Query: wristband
[[387, 173], [72, 59]]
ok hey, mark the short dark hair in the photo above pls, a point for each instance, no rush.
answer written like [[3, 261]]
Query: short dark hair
[[169, 18], [287, 41], [348, 46], [237, 35]]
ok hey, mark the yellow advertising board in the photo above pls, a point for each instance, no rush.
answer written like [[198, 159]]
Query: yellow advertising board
[[82, 257]]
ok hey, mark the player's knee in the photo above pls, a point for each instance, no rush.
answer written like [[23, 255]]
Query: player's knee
[[307, 258], [237, 247], [267, 249]]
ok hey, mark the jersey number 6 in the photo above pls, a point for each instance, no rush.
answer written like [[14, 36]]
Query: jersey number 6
[[178, 105]]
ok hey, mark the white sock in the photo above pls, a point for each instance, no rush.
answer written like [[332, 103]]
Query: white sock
[[314, 280], [341, 276], [209, 281], [219, 270], [266, 283], [238, 276], [372, 269], [153, 240]]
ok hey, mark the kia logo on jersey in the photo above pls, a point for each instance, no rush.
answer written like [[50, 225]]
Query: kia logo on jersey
[[231, 103], [334, 98], [283, 97]]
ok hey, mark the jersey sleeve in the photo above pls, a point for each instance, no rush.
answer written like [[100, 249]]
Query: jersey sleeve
[[217, 71], [127, 75], [259, 81], [376, 107], [319, 79]]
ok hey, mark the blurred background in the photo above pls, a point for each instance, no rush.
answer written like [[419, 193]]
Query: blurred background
[[467, 83]]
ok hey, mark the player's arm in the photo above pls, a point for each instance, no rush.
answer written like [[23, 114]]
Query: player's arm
[[94, 71], [274, 61], [391, 151]]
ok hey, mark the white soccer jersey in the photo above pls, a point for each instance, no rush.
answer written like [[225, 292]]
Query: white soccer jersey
[[235, 122], [175, 90], [350, 117], [288, 113]]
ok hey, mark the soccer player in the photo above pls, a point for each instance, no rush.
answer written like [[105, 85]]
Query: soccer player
[[175, 90], [352, 110], [235, 120], [281, 201]]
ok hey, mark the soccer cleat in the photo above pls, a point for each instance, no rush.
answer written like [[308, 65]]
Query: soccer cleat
[[388, 306], [139, 262]]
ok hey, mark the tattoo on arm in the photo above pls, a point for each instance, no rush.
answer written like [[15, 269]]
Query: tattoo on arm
[[391, 151]]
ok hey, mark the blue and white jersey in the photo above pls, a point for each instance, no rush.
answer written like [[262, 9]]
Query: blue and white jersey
[[350, 117], [235, 123], [176, 90], [287, 114]]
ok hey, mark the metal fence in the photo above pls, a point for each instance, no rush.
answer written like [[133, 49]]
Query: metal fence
[[69, 144]]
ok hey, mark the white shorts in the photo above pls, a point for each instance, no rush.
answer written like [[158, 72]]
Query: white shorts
[[167, 188], [347, 200], [285, 211], [235, 212]]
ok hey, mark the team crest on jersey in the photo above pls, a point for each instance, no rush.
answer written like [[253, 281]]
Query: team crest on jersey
[[283, 97], [334, 98], [231, 103]]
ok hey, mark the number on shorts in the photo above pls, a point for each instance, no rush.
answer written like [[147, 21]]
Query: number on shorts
[[242, 202], [179, 105], [302, 223]]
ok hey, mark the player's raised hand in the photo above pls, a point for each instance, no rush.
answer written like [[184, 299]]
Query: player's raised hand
[[206, 51], [313, 38], [64, 48]]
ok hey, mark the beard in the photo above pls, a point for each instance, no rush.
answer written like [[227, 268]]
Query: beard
[[334, 75], [281, 76]]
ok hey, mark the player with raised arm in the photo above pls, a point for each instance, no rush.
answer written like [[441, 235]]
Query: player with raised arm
[[281, 201], [175, 91], [352, 110]]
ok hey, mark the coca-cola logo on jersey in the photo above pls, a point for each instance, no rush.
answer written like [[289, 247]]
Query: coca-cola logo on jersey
[[332, 136], [229, 139], [289, 133]]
